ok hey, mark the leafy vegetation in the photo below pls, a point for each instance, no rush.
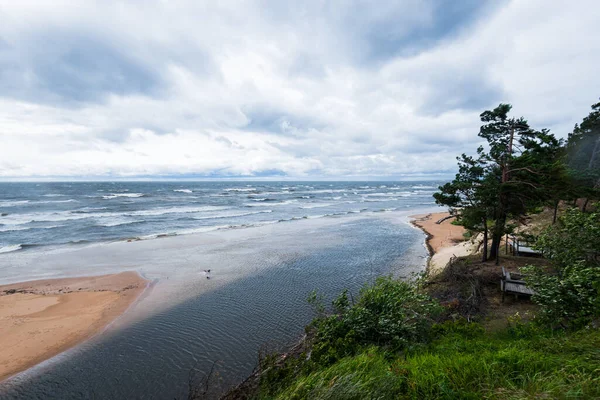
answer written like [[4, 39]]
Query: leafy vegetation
[[457, 366], [569, 291], [417, 340], [517, 172], [391, 314], [455, 359]]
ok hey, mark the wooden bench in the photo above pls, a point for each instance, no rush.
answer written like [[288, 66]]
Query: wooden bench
[[513, 285]]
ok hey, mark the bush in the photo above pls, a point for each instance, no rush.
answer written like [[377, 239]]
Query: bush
[[569, 292], [391, 313]]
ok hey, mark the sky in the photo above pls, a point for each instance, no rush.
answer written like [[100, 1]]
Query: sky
[[352, 90]]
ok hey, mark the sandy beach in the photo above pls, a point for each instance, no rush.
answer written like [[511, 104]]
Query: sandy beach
[[444, 240], [39, 319]]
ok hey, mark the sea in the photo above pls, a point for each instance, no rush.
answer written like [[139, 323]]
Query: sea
[[268, 245]]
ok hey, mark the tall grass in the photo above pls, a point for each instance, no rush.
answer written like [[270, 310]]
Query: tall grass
[[459, 365]]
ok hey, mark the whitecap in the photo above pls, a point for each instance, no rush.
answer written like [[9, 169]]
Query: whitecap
[[247, 189], [11, 228], [269, 204], [21, 219], [115, 195], [182, 190], [13, 203], [316, 205], [233, 215], [176, 210], [118, 223], [56, 201], [8, 249]]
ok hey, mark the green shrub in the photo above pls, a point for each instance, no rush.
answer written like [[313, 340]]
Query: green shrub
[[390, 313], [569, 292]]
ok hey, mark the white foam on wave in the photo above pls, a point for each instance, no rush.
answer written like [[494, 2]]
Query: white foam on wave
[[233, 215], [366, 200], [182, 190], [12, 228], [54, 195], [326, 191], [387, 194], [175, 210], [316, 205], [21, 219], [13, 203], [118, 223], [8, 249], [116, 195], [248, 189], [423, 187], [56, 201], [269, 204]]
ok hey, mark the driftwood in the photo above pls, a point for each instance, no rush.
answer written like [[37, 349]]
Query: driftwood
[[445, 218]]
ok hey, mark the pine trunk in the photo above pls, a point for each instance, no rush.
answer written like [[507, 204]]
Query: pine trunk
[[485, 241], [498, 230]]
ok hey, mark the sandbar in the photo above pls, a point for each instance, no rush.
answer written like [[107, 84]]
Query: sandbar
[[40, 319]]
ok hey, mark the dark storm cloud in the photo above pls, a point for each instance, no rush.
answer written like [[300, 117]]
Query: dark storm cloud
[[68, 68]]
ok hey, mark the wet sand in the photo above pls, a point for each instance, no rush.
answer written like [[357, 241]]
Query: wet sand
[[39, 319], [444, 240]]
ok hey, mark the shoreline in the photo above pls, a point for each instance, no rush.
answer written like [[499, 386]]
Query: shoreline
[[443, 241], [43, 318]]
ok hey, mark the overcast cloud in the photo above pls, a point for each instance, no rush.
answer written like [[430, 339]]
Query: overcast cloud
[[319, 89]]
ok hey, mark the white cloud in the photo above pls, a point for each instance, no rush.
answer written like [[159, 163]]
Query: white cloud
[[311, 90]]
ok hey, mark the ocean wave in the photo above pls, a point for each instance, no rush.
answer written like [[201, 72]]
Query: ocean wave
[[13, 203], [269, 204], [388, 194], [10, 248], [233, 215], [118, 223], [326, 191], [53, 195], [116, 195], [316, 205], [22, 219], [271, 192], [248, 189], [423, 187], [56, 201], [212, 228], [263, 199], [182, 190], [86, 210], [174, 210], [12, 228], [379, 200]]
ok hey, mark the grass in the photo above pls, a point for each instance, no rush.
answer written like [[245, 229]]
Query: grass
[[462, 364]]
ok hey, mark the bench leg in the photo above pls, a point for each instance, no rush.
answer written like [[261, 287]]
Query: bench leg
[[503, 296]]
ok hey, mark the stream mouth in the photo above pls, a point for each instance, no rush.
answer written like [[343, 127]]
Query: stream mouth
[[255, 297]]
